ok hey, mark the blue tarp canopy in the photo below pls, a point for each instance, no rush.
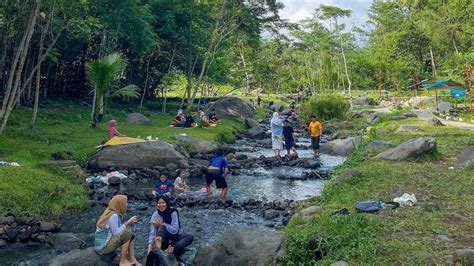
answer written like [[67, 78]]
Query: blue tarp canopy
[[443, 84]]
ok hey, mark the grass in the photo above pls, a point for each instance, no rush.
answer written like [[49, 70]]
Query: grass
[[405, 235], [63, 132]]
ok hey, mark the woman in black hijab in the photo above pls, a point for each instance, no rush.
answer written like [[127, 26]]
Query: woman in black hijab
[[165, 229]]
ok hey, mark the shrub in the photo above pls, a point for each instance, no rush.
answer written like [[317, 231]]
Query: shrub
[[326, 107]]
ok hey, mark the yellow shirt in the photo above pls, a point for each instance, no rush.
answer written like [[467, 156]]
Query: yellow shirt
[[315, 128]]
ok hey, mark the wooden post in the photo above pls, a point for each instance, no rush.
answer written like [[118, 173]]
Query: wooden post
[[436, 97], [467, 69]]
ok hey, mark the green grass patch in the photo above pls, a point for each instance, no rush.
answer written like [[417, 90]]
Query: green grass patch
[[64, 132], [405, 235]]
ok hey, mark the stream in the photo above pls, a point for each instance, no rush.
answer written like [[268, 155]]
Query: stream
[[205, 224]]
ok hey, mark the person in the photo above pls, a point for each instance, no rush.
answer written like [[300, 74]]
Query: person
[[166, 232], [292, 105], [315, 130], [293, 117], [259, 101], [179, 182], [217, 170], [179, 119], [163, 186], [111, 128], [111, 234], [213, 116], [289, 137], [277, 131], [203, 121], [188, 121]]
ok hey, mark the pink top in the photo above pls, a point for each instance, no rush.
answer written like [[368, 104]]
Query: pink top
[[113, 132]]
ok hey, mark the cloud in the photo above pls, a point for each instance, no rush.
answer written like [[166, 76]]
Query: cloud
[[296, 10]]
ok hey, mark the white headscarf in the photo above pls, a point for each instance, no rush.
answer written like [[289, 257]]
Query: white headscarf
[[180, 111], [276, 120]]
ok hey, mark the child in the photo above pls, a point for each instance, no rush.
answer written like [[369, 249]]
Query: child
[[163, 186], [180, 183], [289, 137], [113, 132]]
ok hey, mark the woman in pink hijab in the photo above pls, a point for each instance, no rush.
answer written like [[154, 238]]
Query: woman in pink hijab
[[113, 132]]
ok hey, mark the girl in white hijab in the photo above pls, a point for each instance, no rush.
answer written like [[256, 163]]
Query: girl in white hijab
[[277, 134]]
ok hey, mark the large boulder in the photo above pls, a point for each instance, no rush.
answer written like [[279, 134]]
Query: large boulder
[[242, 247], [378, 145], [433, 121], [137, 155], [65, 242], [255, 129], [232, 106], [466, 158], [277, 107], [445, 107], [409, 149], [251, 123], [341, 147], [86, 256], [137, 119], [363, 101], [196, 145]]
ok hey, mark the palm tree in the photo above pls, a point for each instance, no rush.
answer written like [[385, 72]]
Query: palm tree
[[103, 75]]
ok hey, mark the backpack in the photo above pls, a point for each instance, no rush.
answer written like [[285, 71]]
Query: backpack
[[189, 121]]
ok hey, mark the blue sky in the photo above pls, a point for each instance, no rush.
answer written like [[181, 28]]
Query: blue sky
[[296, 10]]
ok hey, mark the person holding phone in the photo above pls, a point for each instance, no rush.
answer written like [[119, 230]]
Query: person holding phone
[[111, 233]]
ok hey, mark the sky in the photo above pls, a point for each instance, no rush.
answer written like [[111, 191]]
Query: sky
[[296, 10]]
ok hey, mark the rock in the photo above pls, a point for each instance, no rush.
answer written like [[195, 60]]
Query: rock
[[241, 156], [86, 256], [286, 111], [114, 180], [242, 247], [232, 106], [196, 145], [251, 123], [137, 119], [466, 256], [340, 263], [345, 125], [374, 118], [449, 260], [26, 235], [312, 164], [397, 117], [405, 128], [179, 148], [277, 107], [65, 242], [444, 238], [378, 145], [410, 114], [137, 155], [363, 113], [445, 107], [466, 158], [433, 122], [3, 243], [48, 227], [172, 167], [11, 234], [270, 214], [163, 259], [363, 101], [416, 101], [7, 220], [408, 149], [256, 133], [346, 176], [341, 147], [309, 212]]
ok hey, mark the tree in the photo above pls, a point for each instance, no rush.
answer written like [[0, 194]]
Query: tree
[[103, 75]]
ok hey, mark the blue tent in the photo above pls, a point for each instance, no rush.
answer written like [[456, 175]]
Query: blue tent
[[443, 84]]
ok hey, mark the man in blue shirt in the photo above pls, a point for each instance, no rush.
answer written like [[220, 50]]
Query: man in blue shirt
[[217, 171]]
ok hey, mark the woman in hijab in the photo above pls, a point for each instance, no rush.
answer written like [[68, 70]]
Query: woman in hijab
[[277, 134], [111, 128], [165, 231], [111, 234]]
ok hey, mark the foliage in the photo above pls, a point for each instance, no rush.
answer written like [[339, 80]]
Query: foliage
[[326, 107]]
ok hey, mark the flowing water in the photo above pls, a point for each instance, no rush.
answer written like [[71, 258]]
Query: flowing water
[[206, 225]]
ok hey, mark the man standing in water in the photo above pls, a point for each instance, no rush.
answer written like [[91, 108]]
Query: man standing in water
[[315, 130], [217, 170]]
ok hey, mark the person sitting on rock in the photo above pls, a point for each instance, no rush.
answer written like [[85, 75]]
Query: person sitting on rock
[[165, 232], [179, 119], [163, 186], [180, 183], [111, 234], [112, 130], [213, 117]]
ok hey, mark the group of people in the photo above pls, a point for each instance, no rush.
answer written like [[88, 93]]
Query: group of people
[[165, 227], [165, 231], [180, 120], [283, 132]]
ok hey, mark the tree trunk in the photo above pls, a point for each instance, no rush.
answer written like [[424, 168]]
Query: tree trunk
[[247, 78], [146, 82], [38, 78], [435, 75]]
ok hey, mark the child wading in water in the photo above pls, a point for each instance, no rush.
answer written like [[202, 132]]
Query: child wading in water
[[180, 183], [289, 138], [163, 186]]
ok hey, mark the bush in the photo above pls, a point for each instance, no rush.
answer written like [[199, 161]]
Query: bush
[[326, 107]]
